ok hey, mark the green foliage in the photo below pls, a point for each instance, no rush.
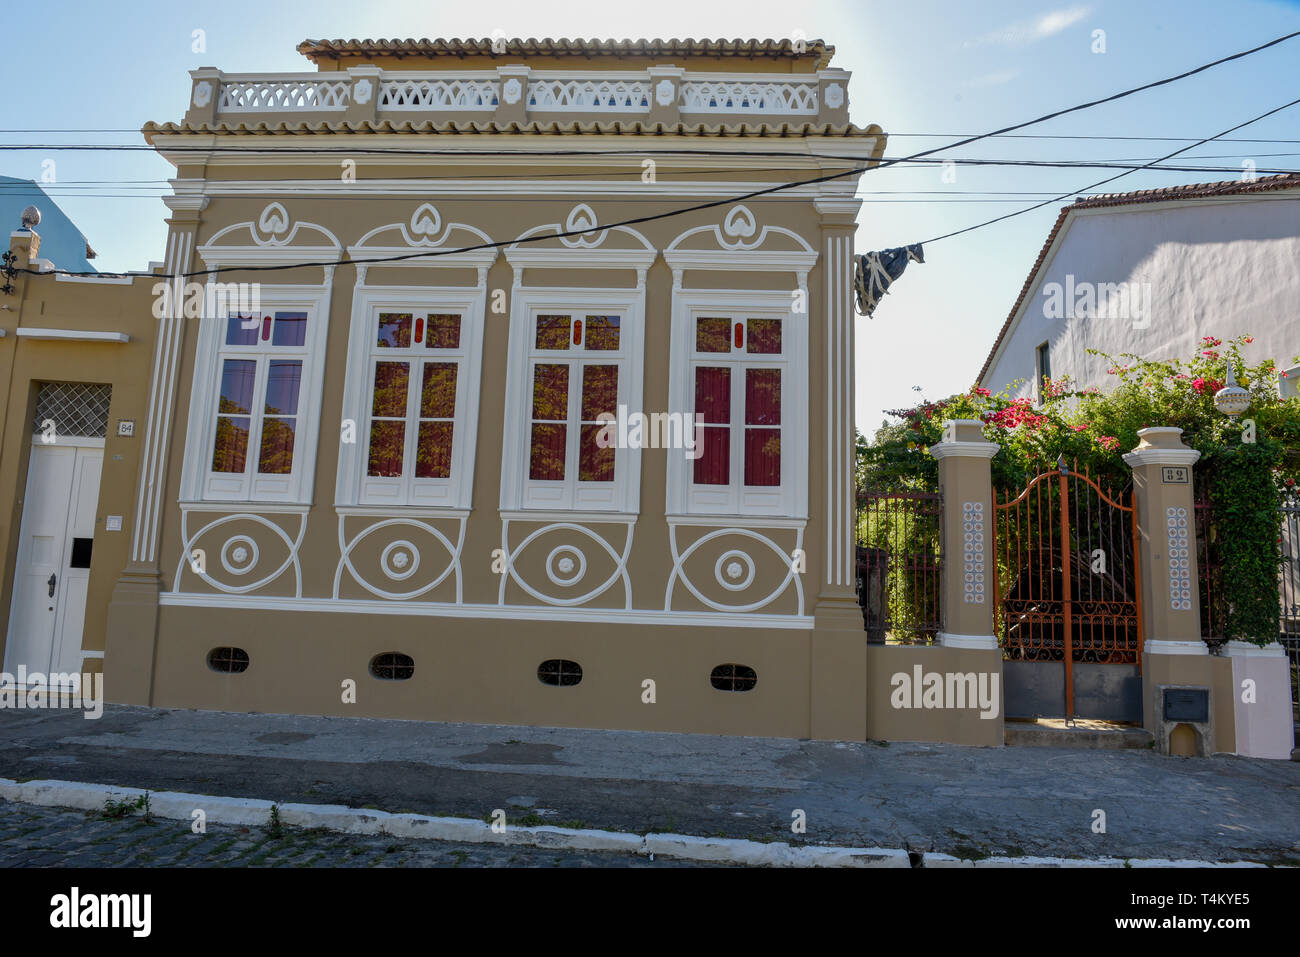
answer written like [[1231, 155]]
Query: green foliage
[[1092, 430], [1245, 497]]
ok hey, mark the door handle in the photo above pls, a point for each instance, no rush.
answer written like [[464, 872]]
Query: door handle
[[51, 583]]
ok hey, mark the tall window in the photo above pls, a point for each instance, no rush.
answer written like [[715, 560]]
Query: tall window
[[416, 388], [260, 392], [577, 371], [738, 367], [1042, 367]]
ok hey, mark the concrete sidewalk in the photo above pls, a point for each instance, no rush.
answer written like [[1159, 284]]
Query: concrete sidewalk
[[970, 802]]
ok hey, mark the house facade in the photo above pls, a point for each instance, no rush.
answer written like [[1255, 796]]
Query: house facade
[[485, 382], [1151, 273]]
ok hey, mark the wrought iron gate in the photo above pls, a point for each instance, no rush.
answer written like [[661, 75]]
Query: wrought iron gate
[[1069, 606]]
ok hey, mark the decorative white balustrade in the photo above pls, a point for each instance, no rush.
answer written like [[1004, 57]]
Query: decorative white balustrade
[[545, 93], [438, 94], [730, 96], [589, 96], [283, 96]]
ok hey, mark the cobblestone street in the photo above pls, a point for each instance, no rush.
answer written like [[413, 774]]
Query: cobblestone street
[[33, 836]]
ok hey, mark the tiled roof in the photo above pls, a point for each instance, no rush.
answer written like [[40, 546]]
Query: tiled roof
[[317, 50], [465, 127], [1262, 184]]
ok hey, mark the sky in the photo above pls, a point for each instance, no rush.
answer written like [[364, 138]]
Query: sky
[[928, 72]]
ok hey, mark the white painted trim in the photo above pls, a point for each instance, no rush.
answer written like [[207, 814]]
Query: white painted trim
[[271, 508], [470, 302], [504, 187], [525, 301], [96, 280], [989, 642], [1245, 649], [694, 619], [69, 441], [1163, 646], [1161, 457], [974, 450], [80, 335], [794, 401], [400, 511], [544, 515], [748, 521], [92, 654], [195, 470]]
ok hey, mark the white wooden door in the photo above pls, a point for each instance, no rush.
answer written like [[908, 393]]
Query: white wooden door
[[52, 572]]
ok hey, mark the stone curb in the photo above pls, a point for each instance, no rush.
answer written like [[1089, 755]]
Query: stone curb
[[348, 820], [248, 812]]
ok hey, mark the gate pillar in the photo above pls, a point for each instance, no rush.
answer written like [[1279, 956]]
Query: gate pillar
[[967, 577], [1162, 485], [1174, 657]]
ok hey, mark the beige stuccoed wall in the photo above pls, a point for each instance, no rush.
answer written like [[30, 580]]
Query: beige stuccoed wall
[[948, 724], [1201, 671], [485, 669], [41, 301]]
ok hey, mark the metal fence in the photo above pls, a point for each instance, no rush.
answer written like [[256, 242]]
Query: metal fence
[[1213, 608], [1209, 570], [899, 536], [1289, 621]]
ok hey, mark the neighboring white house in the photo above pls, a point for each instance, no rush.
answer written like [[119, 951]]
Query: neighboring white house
[[1151, 273]]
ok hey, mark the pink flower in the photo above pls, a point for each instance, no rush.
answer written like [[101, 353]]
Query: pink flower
[[1108, 442], [1248, 340], [1079, 428]]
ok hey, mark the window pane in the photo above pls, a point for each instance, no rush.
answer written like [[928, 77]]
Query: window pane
[[762, 456], [237, 335], [599, 391], [551, 392], [552, 332], [391, 381], [283, 381], [438, 391], [386, 441], [290, 329], [229, 452], [763, 336], [442, 332], [394, 330], [237, 378], [277, 446], [762, 396], [713, 394], [546, 455], [601, 332], [433, 450], [713, 467], [713, 335], [594, 463]]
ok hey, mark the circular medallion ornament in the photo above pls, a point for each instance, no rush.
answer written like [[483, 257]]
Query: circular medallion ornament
[[399, 560], [566, 565]]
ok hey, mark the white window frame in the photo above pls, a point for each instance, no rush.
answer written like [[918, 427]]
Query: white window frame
[[199, 484], [355, 488], [788, 500], [519, 493]]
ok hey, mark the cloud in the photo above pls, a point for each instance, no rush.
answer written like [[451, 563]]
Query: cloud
[[993, 79], [1024, 32]]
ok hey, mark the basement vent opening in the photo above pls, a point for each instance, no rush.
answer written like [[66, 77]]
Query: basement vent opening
[[559, 672], [392, 666], [734, 678], [229, 661]]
